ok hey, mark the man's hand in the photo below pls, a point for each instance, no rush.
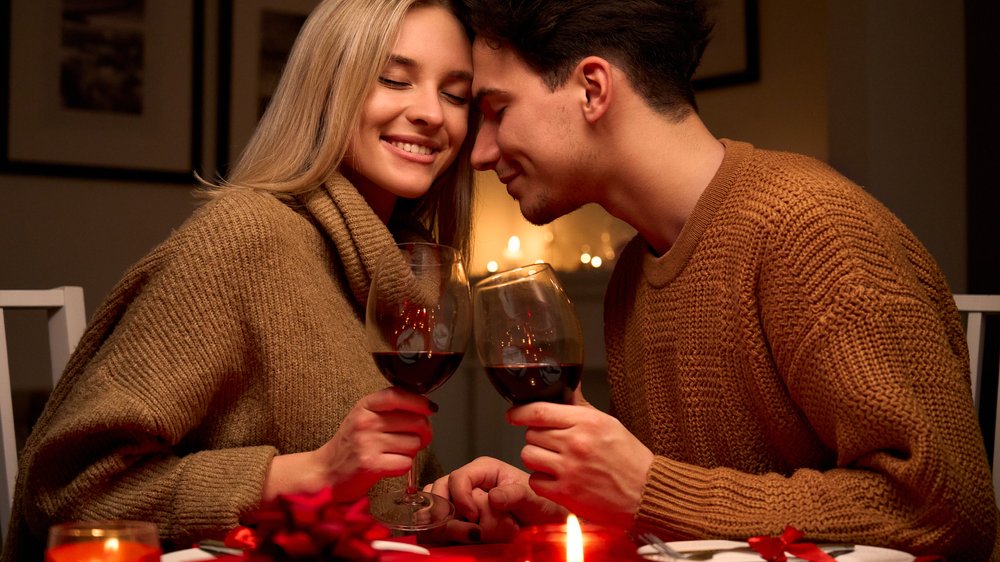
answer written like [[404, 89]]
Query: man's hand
[[492, 501], [583, 459]]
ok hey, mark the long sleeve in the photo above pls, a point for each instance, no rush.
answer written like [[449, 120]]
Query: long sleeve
[[236, 340], [796, 359]]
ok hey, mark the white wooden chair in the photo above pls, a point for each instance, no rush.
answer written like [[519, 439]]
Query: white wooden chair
[[67, 320], [976, 308]]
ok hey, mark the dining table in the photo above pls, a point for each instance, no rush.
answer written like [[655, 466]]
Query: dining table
[[455, 553], [450, 553]]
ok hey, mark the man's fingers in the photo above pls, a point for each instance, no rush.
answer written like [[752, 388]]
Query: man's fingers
[[525, 505], [539, 459]]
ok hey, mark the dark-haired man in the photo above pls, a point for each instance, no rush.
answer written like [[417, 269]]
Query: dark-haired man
[[782, 350]]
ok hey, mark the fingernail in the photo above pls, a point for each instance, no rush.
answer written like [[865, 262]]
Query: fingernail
[[475, 535], [434, 406]]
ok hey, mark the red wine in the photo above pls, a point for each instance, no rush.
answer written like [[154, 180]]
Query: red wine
[[535, 382], [417, 371]]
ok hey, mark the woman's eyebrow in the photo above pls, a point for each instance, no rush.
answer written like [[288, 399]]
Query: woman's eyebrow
[[400, 60]]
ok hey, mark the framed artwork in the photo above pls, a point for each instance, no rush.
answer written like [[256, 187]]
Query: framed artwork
[[733, 54], [255, 38], [102, 88]]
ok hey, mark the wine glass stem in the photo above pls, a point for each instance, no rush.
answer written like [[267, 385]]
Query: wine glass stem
[[411, 480]]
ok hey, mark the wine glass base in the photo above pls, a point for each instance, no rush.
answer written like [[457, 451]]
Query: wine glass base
[[416, 512]]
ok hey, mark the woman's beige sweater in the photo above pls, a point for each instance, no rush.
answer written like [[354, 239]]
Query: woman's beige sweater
[[796, 358], [239, 338]]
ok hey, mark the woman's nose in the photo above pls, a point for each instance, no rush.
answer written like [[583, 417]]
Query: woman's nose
[[426, 109]]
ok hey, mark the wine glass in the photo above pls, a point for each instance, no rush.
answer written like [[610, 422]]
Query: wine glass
[[528, 336], [110, 541], [418, 325]]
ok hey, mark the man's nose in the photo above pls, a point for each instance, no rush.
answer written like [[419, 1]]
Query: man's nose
[[485, 152]]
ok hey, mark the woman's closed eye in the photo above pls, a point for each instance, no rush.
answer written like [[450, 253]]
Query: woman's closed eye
[[457, 99], [395, 84]]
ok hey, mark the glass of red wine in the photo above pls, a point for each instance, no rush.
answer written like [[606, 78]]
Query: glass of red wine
[[528, 336], [418, 325]]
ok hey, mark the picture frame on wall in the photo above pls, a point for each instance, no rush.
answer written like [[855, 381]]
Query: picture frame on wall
[[104, 89], [255, 38], [733, 54]]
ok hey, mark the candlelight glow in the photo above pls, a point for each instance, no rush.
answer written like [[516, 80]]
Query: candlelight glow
[[111, 545], [492, 266], [574, 539]]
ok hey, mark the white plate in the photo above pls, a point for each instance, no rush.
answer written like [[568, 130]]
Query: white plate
[[189, 555], [742, 553]]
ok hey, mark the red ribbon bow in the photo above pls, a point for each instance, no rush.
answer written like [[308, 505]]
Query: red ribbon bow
[[774, 549], [309, 527]]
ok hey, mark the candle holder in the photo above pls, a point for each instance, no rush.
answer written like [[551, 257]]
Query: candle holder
[[103, 541], [547, 543]]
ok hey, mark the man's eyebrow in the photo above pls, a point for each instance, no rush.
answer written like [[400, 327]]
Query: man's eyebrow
[[400, 60], [483, 92]]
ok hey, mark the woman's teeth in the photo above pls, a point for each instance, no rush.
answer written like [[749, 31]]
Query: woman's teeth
[[412, 148]]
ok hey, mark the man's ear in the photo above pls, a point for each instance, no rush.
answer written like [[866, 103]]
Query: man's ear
[[593, 75]]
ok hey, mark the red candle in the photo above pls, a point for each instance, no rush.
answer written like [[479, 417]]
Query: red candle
[[572, 542], [108, 550]]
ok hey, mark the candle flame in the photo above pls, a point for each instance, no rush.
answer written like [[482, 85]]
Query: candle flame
[[111, 545], [574, 540]]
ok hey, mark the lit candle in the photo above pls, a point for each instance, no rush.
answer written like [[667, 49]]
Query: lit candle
[[574, 540], [110, 550]]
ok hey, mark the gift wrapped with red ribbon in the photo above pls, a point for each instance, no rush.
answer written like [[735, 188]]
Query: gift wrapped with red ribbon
[[309, 527], [777, 549]]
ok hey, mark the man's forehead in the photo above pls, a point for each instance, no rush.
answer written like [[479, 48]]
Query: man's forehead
[[491, 65], [487, 56]]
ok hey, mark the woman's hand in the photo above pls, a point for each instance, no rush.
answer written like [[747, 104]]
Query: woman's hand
[[378, 438]]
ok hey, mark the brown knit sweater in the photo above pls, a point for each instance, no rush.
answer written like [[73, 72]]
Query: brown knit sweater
[[239, 338], [796, 358]]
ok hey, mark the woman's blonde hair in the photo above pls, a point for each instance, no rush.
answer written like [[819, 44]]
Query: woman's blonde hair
[[303, 135]]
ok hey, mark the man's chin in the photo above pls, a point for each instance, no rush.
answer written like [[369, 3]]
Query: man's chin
[[541, 215]]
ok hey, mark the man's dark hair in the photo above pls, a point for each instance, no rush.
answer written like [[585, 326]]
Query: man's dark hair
[[656, 43]]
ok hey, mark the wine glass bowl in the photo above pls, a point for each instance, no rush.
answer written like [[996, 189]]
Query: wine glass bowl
[[111, 541], [418, 324], [528, 336]]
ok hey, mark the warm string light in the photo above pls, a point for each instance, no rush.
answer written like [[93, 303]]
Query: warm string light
[[539, 247], [514, 245]]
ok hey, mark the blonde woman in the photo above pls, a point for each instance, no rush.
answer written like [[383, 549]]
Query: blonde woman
[[229, 365]]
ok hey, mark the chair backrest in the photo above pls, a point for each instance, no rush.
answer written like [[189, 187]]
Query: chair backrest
[[67, 320], [976, 308]]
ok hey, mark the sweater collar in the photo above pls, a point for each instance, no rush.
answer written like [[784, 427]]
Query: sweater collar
[[661, 270], [357, 233]]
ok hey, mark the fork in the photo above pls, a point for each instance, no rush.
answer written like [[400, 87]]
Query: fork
[[662, 547], [657, 543]]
